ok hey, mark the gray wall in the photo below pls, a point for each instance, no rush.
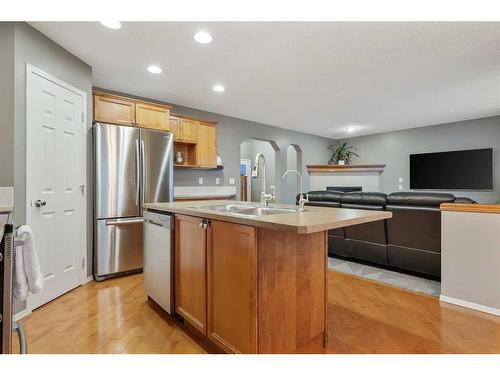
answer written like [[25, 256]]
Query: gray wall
[[6, 104], [232, 131], [394, 148], [249, 149], [36, 49], [21, 44]]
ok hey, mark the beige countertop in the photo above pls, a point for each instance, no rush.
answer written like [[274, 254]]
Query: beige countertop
[[314, 219]]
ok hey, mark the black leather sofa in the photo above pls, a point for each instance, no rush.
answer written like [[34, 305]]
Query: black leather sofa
[[410, 241]]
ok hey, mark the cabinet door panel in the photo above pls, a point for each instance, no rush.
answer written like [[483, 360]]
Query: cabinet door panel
[[190, 271], [190, 130], [207, 146], [114, 110], [175, 127], [152, 116], [232, 286]]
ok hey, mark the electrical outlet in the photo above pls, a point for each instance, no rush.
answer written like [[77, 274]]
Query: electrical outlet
[[400, 180], [217, 181], [200, 180], [231, 181], [400, 187]]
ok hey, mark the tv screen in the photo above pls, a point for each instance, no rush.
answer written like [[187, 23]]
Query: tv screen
[[452, 170]]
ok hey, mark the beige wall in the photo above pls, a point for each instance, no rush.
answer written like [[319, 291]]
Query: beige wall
[[470, 260]]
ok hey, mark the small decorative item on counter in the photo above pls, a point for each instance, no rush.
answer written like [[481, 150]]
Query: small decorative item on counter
[[219, 160], [342, 153], [179, 158]]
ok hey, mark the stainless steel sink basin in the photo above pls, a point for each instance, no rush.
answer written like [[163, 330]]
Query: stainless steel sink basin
[[247, 210], [273, 211]]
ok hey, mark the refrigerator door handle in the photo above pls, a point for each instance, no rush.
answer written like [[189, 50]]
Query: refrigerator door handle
[[143, 173], [124, 221], [137, 172]]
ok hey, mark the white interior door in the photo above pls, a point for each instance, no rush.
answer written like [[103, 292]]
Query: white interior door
[[55, 182]]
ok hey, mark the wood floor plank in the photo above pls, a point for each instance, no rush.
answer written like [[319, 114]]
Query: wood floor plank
[[363, 317]]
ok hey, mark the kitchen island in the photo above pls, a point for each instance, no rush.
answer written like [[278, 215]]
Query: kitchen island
[[253, 279]]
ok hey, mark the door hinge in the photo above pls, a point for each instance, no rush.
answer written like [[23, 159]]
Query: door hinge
[[83, 262], [83, 116]]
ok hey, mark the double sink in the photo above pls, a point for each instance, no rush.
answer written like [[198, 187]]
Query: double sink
[[248, 210]]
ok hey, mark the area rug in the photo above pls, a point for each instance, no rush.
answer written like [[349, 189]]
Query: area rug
[[399, 280]]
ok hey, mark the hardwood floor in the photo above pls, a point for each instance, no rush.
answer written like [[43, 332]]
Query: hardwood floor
[[114, 316], [369, 317]]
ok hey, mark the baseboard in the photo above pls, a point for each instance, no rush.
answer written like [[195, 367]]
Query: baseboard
[[21, 314], [470, 305], [88, 280]]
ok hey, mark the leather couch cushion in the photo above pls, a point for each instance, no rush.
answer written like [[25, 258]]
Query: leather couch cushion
[[367, 251], [323, 196], [323, 204], [464, 200], [414, 227], [336, 246], [370, 232], [427, 262], [419, 199], [367, 198]]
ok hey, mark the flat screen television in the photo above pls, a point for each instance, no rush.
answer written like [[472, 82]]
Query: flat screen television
[[452, 170]]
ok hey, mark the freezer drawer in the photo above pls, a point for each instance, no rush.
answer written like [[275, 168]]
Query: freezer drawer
[[118, 246], [158, 258]]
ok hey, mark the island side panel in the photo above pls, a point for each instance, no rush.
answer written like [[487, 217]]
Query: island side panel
[[291, 290]]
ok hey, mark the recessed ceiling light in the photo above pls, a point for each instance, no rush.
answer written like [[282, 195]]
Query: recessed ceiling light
[[112, 24], [350, 129], [203, 37], [155, 69], [218, 88]]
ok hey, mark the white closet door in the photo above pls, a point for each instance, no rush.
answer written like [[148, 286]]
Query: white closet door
[[55, 179]]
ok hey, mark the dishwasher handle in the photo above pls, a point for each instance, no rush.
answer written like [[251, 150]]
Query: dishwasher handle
[[159, 219]]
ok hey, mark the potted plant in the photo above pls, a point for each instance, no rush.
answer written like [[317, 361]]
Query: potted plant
[[342, 153]]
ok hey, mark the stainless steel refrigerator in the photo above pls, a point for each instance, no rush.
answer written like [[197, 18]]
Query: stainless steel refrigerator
[[132, 166]]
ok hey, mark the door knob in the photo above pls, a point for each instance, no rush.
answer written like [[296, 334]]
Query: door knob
[[40, 203]]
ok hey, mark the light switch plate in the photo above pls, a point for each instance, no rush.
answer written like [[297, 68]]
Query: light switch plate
[[231, 181], [400, 180], [200, 180], [400, 187], [217, 181]]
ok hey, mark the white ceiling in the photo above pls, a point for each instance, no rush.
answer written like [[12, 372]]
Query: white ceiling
[[317, 78]]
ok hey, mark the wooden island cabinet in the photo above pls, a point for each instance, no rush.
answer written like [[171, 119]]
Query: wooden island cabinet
[[239, 285], [251, 281]]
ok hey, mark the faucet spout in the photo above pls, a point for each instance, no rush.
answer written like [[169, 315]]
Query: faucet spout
[[260, 168], [302, 200]]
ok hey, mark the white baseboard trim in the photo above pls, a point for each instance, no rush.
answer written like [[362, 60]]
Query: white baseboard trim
[[21, 314], [470, 305], [88, 280]]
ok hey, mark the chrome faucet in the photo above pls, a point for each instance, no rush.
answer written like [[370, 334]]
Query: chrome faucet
[[302, 199], [264, 197]]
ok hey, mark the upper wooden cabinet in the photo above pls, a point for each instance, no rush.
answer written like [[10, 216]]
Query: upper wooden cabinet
[[194, 137], [184, 129], [152, 116], [121, 110], [190, 130], [175, 127], [207, 145], [116, 110]]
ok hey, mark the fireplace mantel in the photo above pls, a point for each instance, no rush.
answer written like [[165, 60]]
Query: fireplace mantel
[[329, 168]]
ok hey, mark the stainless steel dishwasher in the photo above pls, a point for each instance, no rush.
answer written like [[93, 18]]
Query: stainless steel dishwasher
[[159, 258]]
